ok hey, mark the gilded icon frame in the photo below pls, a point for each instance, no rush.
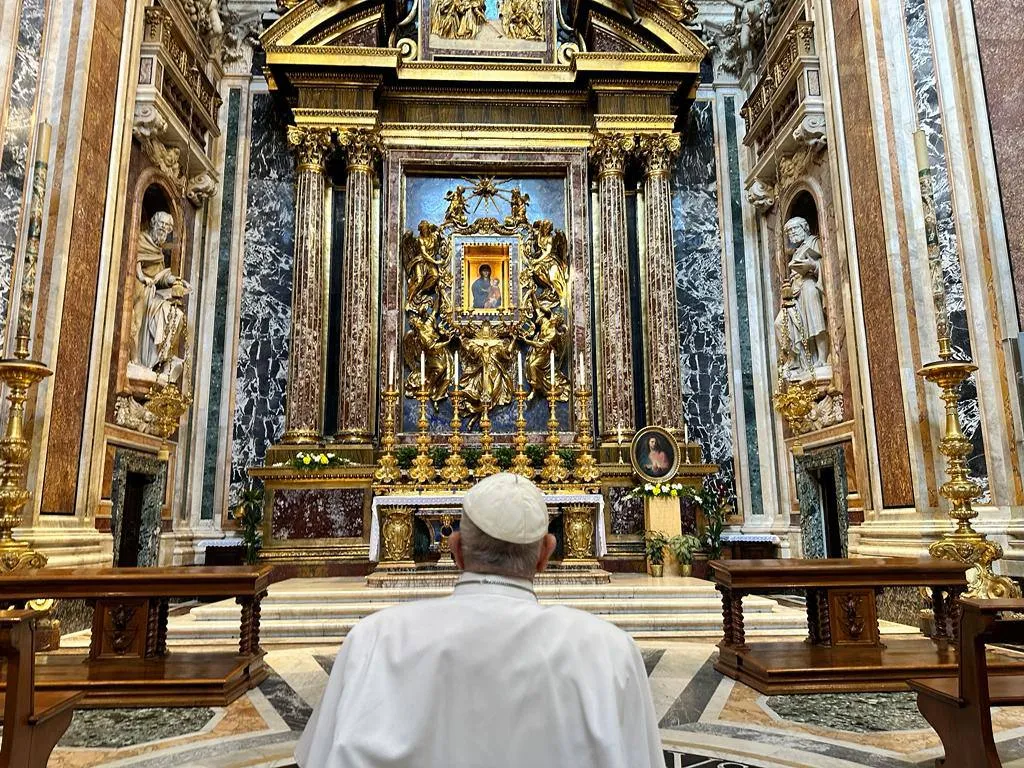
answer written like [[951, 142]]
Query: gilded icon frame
[[497, 256], [668, 441]]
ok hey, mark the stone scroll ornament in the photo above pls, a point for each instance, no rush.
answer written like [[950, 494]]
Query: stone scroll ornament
[[533, 324]]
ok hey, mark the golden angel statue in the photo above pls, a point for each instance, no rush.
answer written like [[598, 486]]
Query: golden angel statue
[[456, 213], [522, 19], [518, 202], [548, 264], [427, 337], [488, 360], [423, 257], [550, 336]]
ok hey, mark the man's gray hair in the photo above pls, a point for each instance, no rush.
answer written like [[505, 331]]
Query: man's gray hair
[[485, 554]]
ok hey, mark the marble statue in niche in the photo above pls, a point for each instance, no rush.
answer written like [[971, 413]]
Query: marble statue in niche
[[158, 326], [805, 284]]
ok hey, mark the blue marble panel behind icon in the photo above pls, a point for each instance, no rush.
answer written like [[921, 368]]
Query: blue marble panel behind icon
[[700, 278], [265, 308], [929, 115]]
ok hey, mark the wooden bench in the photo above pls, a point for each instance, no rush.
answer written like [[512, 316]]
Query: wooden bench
[[958, 708], [128, 663], [33, 720]]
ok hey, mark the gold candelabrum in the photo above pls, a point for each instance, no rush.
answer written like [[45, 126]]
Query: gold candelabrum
[[488, 464], [521, 464], [586, 469], [20, 374], [387, 471], [963, 543], [455, 471], [423, 470], [794, 401], [554, 470], [167, 404]]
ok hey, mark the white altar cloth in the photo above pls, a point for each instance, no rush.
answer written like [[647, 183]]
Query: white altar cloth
[[454, 501]]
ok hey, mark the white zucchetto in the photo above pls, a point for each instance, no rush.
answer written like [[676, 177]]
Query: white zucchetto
[[507, 507]]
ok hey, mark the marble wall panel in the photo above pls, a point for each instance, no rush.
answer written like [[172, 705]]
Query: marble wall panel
[[318, 513], [875, 287], [627, 512], [213, 428], [929, 115], [1000, 28], [265, 307], [700, 281], [15, 141]]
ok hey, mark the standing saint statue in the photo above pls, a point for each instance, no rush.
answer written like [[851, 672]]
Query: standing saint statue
[[789, 338], [158, 321], [423, 259], [805, 280]]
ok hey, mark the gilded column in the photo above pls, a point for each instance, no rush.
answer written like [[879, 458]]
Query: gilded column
[[358, 314], [609, 153], [661, 323], [303, 407]]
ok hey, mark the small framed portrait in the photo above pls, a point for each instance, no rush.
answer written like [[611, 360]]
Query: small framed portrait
[[485, 278], [654, 454]]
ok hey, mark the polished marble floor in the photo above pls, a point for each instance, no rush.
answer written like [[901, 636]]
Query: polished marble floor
[[707, 721]]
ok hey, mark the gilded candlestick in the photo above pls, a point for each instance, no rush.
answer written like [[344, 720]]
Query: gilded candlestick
[[554, 470], [455, 471], [423, 470], [521, 464], [488, 464], [586, 469], [387, 465]]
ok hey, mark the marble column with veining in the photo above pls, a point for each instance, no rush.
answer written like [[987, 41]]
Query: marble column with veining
[[357, 392], [303, 406], [661, 324], [609, 153]]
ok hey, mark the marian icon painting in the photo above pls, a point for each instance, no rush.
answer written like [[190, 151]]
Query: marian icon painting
[[505, 29], [485, 277]]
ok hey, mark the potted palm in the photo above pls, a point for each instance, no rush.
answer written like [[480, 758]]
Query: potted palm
[[682, 548], [656, 543]]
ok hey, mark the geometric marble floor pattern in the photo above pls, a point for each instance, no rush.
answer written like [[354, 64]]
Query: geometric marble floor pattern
[[707, 721]]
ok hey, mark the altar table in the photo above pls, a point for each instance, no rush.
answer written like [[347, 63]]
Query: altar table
[[844, 650], [423, 504]]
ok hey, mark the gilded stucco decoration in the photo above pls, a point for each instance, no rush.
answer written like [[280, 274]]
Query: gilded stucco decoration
[[490, 289]]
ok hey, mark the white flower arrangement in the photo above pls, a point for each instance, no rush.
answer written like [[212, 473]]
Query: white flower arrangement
[[672, 490], [314, 461]]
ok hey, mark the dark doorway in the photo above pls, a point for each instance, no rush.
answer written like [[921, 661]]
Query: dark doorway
[[821, 492], [131, 519], [830, 512]]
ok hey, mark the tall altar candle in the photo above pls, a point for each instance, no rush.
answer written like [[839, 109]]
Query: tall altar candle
[[456, 368], [520, 369], [423, 369], [686, 433], [921, 150], [579, 369], [552, 363], [391, 370], [618, 433]]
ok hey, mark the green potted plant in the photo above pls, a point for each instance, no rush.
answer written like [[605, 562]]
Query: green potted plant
[[712, 499], [656, 543], [683, 548], [249, 514]]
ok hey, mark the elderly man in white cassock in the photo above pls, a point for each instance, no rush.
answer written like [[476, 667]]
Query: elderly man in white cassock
[[487, 678]]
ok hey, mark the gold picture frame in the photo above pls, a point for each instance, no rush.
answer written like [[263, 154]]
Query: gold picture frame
[[490, 261], [654, 454]]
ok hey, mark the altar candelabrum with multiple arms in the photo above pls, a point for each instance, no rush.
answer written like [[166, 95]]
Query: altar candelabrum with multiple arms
[[20, 374], [554, 470], [586, 469], [455, 471], [963, 544], [521, 464], [488, 464], [423, 471], [794, 401], [387, 465]]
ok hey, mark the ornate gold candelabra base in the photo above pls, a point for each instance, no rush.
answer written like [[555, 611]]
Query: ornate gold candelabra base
[[964, 544], [455, 471], [554, 470], [521, 464], [387, 471], [488, 464], [167, 404], [446, 562], [423, 470], [20, 376], [586, 469], [794, 400]]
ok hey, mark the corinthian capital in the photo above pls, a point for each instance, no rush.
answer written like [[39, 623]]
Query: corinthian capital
[[362, 147], [609, 152], [311, 145], [656, 151]]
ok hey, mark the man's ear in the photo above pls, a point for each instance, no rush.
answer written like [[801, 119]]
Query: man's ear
[[455, 542], [547, 546]]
